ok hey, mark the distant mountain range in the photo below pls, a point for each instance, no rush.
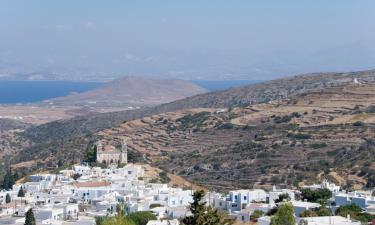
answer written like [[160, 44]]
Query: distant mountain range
[[132, 92]]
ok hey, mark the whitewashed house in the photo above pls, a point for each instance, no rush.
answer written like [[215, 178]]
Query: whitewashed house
[[239, 199], [300, 206], [361, 199], [275, 194], [325, 184]]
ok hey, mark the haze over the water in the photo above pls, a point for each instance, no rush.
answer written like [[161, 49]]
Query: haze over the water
[[101, 40]]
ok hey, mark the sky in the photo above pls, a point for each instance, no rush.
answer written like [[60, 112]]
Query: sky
[[195, 39]]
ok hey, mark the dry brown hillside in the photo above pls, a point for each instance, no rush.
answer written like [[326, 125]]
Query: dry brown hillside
[[323, 134], [285, 131]]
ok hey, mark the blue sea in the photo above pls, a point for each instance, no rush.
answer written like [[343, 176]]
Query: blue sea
[[12, 92]]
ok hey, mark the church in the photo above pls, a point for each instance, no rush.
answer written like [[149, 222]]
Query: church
[[109, 154]]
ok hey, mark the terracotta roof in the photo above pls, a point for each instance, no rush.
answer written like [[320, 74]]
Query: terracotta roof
[[92, 184]]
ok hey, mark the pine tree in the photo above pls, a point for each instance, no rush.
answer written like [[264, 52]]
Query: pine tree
[[202, 214], [7, 199], [30, 219], [21, 193]]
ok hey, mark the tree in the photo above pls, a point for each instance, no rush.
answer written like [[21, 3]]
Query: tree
[[29, 218], [141, 218], [76, 176], [60, 163], [21, 193], [284, 215], [355, 212], [321, 211], [7, 198], [118, 220], [351, 210], [283, 197], [256, 215], [320, 195], [8, 180], [90, 155], [202, 214]]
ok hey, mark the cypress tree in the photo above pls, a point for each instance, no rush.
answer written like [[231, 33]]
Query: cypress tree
[[21, 193], [7, 199], [202, 214], [29, 218], [8, 180]]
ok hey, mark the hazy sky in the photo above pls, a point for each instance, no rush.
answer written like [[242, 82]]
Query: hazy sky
[[253, 39]]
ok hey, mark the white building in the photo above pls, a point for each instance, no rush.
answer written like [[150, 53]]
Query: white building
[[300, 206], [329, 220], [361, 199], [275, 193], [325, 184], [163, 222], [239, 199]]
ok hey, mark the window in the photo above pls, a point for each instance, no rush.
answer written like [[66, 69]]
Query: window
[[235, 197], [242, 218], [244, 197]]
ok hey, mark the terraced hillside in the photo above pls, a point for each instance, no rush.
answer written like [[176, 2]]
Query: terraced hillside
[[253, 134], [243, 96], [326, 134]]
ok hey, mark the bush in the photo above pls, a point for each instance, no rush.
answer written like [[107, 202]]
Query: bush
[[358, 124], [300, 136], [164, 178], [262, 155], [141, 218], [256, 215], [318, 145]]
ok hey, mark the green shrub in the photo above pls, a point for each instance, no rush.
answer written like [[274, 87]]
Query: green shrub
[[300, 136], [358, 124], [141, 218]]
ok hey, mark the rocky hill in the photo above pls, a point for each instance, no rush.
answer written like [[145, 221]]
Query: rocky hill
[[327, 134], [132, 92], [285, 131], [247, 95]]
